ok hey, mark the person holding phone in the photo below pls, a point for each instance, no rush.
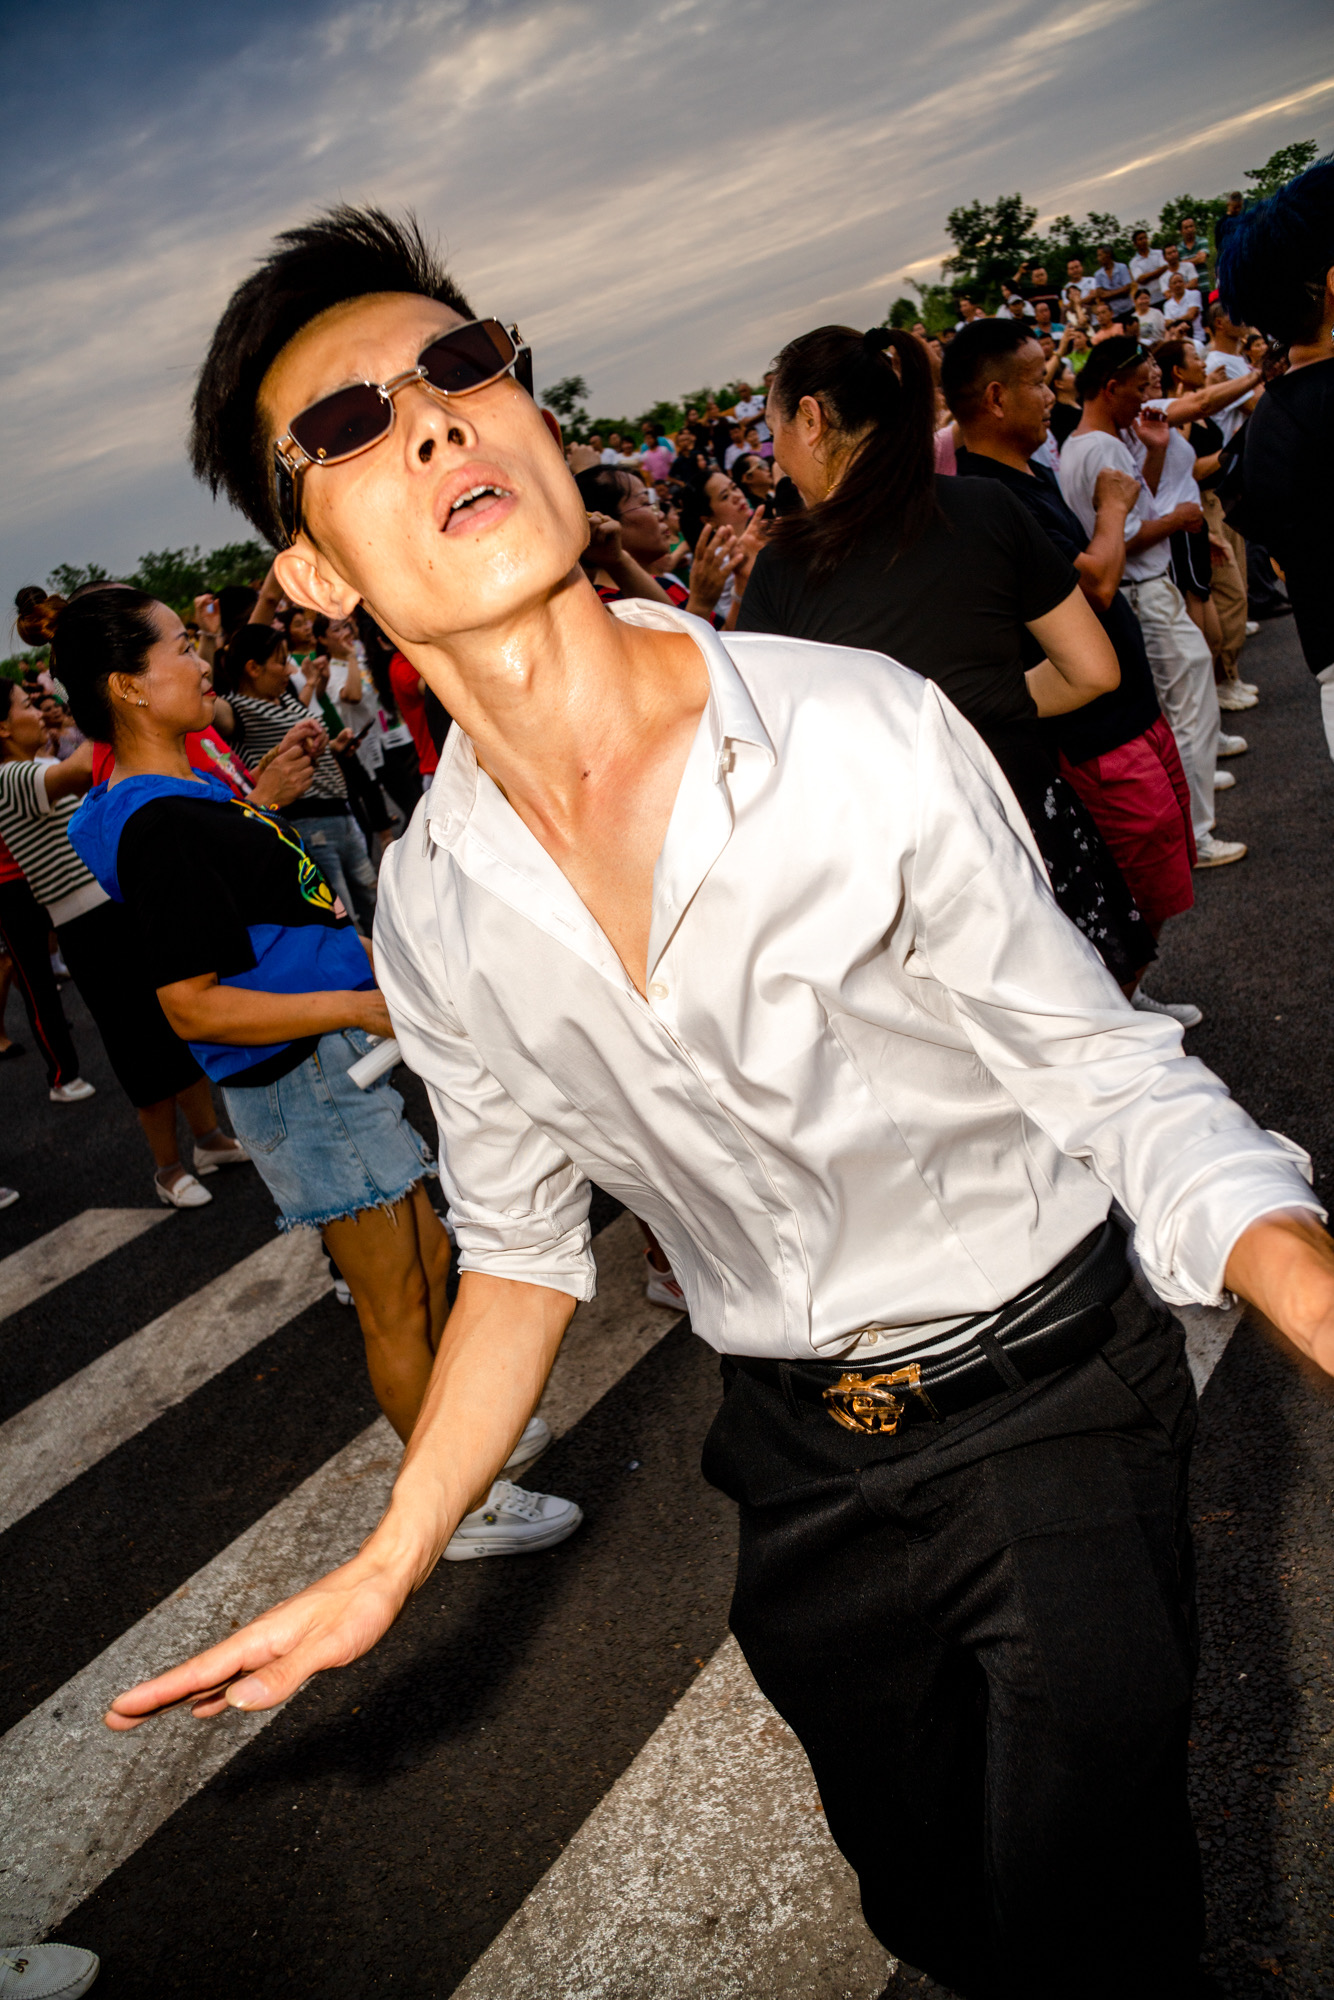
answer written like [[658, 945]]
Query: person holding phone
[[258, 967]]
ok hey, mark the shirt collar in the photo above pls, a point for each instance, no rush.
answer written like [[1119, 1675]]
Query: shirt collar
[[730, 714]]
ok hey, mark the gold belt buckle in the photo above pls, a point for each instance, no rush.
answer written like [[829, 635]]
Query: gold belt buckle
[[868, 1404]]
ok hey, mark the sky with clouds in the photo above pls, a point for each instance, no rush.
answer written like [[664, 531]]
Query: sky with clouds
[[659, 191]]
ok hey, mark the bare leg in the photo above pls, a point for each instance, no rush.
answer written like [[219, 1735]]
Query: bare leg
[[202, 1118], [392, 1262], [159, 1124], [435, 1259]]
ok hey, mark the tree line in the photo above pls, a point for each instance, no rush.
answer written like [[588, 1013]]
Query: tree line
[[174, 576]]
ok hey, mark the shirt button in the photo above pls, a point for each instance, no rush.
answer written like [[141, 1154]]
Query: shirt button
[[657, 991]]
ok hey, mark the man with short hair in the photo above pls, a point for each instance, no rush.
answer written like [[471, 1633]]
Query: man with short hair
[[968, 312], [1224, 358], [1182, 309], [1117, 752], [1044, 321], [1113, 278], [1176, 260], [1113, 386], [1191, 248], [753, 932], [1075, 275], [1148, 267], [749, 407]]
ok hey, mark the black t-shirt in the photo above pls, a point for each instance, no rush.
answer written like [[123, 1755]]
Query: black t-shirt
[[952, 605], [1115, 718], [1287, 503], [229, 889]]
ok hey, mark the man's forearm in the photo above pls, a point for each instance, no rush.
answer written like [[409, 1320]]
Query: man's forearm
[[490, 1369], [1103, 562], [1153, 531], [1284, 1265]]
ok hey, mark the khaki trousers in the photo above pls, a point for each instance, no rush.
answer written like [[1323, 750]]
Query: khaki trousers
[[1228, 583]]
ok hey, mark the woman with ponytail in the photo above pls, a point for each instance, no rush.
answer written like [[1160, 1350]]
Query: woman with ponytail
[[959, 584]]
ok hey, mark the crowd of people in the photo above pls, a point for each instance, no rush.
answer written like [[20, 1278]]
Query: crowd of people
[[1028, 512]]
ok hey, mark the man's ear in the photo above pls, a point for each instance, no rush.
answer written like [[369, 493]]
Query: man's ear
[[306, 580], [552, 422]]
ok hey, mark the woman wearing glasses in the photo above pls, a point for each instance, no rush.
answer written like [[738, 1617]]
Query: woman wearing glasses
[[257, 966]]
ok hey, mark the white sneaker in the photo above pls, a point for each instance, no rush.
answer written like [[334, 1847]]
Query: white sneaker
[[46, 1971], [1230, 696], [663, 1290], [342, 1291], [513, 1522], [1210, 852], [183, 1192], [536, 1437], [1224, 781], [1252, 627], [1183, 1011], [1231, 746], [1249, 687], [72, 1092], [208, 1159], [58, 966], [8, 1196]]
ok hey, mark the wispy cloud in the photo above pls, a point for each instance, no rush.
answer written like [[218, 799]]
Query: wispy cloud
[[661, 194]]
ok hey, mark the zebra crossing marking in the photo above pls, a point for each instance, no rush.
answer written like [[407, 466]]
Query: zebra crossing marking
[[72, 1248]]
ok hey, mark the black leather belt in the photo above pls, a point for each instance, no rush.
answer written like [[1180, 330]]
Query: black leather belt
[[1067, 1318]]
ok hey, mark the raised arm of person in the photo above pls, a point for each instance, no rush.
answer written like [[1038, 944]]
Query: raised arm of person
[[604, 552], [1081, 662], [1103, 562], [1188, 516], [1206, 402], [209, 620], [270, 600], [71, 778]]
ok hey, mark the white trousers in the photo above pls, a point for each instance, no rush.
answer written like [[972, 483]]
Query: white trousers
[[1183, 673]]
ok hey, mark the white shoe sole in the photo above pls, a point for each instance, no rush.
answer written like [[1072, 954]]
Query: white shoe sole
[[505, 1544]]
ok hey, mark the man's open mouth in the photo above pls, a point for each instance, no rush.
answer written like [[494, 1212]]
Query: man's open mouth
[[473, 497]]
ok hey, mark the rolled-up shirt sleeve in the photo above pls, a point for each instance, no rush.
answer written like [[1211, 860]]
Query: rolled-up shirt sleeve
[[518, 1205], [1108, 1085]]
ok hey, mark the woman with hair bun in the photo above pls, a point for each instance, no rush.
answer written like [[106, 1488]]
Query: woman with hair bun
[[950, 577], [38, 796]]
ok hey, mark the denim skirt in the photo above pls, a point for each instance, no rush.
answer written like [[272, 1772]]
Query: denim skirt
[[324, 1149]]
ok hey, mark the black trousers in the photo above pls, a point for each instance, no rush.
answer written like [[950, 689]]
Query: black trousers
[[984, 1635], [26, 929]]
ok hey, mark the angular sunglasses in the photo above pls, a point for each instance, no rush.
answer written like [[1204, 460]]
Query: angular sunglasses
[[351, 420]]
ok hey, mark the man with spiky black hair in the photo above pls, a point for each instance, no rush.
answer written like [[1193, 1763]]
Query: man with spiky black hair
[[752, 933]]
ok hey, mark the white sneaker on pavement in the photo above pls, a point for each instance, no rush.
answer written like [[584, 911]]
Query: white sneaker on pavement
[[1183, 1011], [662, 1288], [513, 1522], [58, 966], [1224, 781], [1249, 687], [72, 1092], [8, 1196], [1211, 852], [342, 1291], [46, 1971], [1230, 696], [1231, 746], [208, 1159], [536, 1437], [182, 1191], [1252, 627]]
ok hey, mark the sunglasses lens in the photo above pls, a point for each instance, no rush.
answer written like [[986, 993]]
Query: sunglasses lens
[[467, 358], [345, 422]]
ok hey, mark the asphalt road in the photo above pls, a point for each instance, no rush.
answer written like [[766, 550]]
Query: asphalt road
[[380, 1832]]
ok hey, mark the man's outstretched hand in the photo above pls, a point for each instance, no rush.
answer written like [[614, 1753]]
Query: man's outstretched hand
[[330, 1624], [1284, 1265]]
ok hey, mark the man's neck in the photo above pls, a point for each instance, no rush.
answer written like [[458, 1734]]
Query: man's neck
[[1095, 418], [1224, 343], [562, 695], [993, 444], [1301, 354]]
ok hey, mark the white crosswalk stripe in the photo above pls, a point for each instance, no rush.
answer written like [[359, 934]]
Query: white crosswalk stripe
[[60, 1435], [64, 1252], [76, 1800]]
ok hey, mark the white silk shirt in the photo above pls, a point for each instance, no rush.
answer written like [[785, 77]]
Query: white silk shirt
[[878, 1082]]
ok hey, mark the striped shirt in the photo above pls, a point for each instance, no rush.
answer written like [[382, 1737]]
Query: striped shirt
[[37, 835], [267, 722]]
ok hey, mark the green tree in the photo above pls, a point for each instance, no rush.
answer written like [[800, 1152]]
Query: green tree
[[938, 308], [904, 312], [1279, 168], [237, 562], [567, 398], [666, 418], [1205, 209], [66, 578], [991, 240]]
